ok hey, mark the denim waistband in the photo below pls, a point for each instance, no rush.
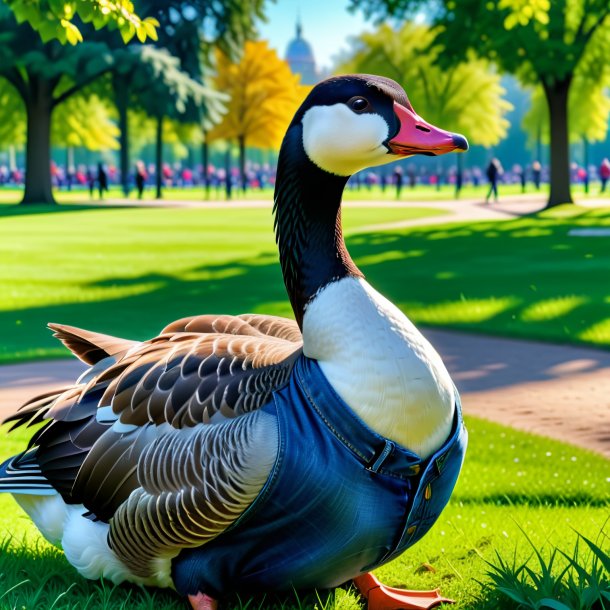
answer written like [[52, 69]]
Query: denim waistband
[[376, 453]]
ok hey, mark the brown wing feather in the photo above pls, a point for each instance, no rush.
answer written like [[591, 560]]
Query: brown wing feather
[[225, 365], [88, 346], [193, 484]]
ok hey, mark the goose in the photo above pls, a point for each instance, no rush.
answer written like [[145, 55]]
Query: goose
[[255, 453]]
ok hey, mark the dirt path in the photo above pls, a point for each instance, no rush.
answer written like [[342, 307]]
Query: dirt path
[[557, 391]]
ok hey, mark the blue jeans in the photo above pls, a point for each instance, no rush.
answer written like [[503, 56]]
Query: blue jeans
[[340, 501]]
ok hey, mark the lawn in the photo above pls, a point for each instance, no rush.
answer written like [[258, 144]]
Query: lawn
[[129, 271], [511, 481]]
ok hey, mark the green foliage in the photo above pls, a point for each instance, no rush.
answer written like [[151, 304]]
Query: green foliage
[[176, 135], [542, 42], [539, 40], [13, 131], [465, 98], [588, 113], [54, 19], [86, 121], [578, 583], [161, 88]]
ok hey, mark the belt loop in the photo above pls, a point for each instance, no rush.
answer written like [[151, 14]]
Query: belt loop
[[383, 456]]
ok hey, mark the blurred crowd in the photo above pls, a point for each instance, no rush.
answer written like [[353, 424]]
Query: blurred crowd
[[98, 178]]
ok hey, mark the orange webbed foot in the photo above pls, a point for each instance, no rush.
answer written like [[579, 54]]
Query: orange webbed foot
[[203, 602], [381, 597]]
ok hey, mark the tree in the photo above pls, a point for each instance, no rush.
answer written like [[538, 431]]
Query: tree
[[44, 76], [263, 97], [541, 41], [171, 93], [188, 29], [466, 98], [55, 19], [588, 108]]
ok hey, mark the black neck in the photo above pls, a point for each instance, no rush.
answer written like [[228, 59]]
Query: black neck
[[308, 224]]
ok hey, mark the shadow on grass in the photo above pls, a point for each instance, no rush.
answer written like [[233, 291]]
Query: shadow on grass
[[8, 210], [536, 500]]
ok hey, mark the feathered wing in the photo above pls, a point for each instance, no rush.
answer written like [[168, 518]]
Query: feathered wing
[[193, 484], [132, 445]]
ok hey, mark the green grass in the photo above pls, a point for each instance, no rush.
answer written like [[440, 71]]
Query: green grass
[[522, 278], [512, 483], [130, 271]]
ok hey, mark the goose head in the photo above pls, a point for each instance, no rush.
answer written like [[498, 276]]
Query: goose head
[[345, 124], [357, 121]]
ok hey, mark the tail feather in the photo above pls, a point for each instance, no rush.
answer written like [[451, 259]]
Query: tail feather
[[22, 475], [89, 346]]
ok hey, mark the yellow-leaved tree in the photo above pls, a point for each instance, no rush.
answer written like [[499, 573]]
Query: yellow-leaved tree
[[263, 97]]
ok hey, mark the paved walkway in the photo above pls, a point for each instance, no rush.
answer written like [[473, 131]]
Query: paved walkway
[[557, 391]]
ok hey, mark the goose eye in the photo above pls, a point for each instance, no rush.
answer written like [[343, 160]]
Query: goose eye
[[358, 104]]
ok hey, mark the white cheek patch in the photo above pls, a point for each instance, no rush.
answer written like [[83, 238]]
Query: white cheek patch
[[341, 142]]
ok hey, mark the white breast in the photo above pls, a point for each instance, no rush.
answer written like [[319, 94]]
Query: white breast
[[380, 364]]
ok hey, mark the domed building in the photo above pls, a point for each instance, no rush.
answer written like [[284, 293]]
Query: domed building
[[299, 56]]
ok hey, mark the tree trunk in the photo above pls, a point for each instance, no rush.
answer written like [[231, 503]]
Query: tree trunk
[[159, 157], [557, 99], [120, 85], [39, 107], [242, 161]]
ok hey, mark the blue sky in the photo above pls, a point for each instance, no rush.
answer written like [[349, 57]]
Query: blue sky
[[326, 25]]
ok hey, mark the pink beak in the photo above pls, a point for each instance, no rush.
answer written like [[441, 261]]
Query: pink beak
[[416, 136]]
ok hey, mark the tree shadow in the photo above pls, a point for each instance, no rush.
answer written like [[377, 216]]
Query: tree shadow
[[9, 210]]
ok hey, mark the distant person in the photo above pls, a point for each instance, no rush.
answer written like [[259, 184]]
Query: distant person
[[102, 180], [141, 176], [494, 172], [604, 173], [459, 181], [519, 173], [383, 181], [90, 177], [536, 174], [411, 175], [398, 181]]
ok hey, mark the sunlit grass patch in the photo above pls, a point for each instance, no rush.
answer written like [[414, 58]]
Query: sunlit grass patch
[[550, 309], [466, 311], [597, 333], [131, 271]]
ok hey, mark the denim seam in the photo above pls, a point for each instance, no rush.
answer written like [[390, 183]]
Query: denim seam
[[343, 440], [339, 436]]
